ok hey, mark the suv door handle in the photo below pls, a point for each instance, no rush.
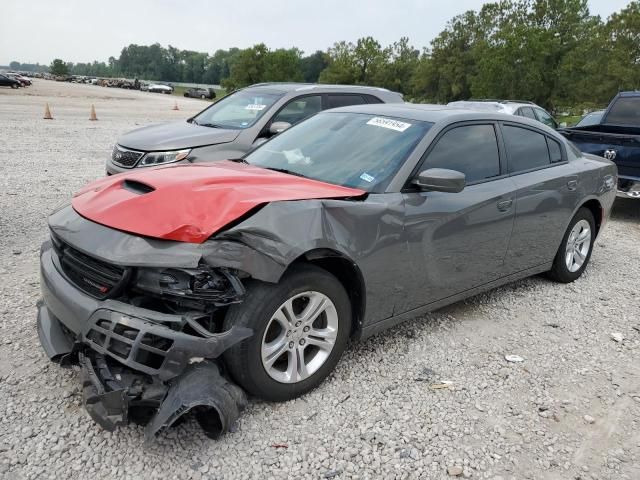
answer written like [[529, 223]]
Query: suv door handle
[[505, 205], [572, 184]]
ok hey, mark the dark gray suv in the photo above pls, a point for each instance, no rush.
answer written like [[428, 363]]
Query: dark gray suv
[[236, 123]]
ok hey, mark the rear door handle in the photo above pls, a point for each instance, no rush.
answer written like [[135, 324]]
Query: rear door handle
[[572, 184], [505, 205]]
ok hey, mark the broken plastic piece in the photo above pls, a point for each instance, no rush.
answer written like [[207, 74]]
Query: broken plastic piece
[[200, 386]]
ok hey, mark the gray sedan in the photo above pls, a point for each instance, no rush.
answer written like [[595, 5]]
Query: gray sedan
[[349, 223]]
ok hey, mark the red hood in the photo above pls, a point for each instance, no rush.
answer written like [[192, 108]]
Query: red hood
[[189, 203]]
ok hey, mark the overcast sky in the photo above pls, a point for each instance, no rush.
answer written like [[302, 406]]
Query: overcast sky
[[85, 30]]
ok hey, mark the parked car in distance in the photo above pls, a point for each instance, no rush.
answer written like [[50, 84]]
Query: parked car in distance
[[521, 108], [6, 81], [348, 223], [201, 93], [159, 88], [591, 118], [616, 136], [236, 123], [24, 81]]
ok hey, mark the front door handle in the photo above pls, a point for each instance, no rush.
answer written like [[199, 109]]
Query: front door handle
[[572, 184], [505, 205]]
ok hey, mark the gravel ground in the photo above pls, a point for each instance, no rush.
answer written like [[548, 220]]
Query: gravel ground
[[569, 410]]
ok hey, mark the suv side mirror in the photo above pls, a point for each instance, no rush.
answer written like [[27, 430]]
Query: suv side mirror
[[440, 180], [278, 127]]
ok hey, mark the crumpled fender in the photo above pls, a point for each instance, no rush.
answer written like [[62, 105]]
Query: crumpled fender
[[201, 385]]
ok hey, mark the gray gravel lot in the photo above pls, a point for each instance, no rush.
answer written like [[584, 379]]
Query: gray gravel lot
[[570, 410]]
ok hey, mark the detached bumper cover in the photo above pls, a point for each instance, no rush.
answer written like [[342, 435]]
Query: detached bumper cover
[[108, 397]]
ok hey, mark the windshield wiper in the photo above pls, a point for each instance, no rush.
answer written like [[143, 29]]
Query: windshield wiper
[[238, 160], [284, 170], [210, 125], [193, 120]]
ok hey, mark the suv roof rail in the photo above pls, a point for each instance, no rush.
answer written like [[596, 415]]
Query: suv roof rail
[[319, 85], [528, 102]]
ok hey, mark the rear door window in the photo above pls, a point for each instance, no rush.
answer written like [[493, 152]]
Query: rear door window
[[545, 118], [336, 101], [470, 149], [299, 108], [526, 149], [528, 113]]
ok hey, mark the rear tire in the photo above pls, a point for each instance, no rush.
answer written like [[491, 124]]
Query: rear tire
[[575, 249], [301, 328]]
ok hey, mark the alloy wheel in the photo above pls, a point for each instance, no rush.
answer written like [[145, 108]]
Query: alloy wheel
[[299, 337], [578, 245]]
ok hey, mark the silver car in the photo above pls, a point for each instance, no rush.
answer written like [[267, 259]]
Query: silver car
[[235, 124], [520, 108]]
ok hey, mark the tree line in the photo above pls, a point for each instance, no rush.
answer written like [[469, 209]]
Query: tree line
[[553, 52]]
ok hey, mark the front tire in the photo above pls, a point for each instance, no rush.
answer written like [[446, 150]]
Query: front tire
[[301, 328], [576, 247]]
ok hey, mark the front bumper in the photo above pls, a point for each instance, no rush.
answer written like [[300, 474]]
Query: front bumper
[[628, 188], [155, 361]]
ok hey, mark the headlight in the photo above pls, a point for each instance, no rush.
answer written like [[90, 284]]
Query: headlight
[[215, 285], [158, 158]]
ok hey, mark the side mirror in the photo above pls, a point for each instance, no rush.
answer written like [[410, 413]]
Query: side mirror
[[278, 127], [440, 180], [563, 124]]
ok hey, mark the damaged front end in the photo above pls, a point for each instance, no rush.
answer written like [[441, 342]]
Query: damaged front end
[[146, 338]]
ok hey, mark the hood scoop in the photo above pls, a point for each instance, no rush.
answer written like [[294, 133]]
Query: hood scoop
[[189, 203], [135, 186]]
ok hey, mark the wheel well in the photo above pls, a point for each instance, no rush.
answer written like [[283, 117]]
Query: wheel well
[[348, 274], [596, 209]]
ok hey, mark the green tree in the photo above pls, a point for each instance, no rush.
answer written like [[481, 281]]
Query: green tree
[[342, 68], [247, 67], [283, 65], [313, 65], [58, 68]]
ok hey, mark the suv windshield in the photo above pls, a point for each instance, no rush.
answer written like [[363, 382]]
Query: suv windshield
[[350, 149], [238, 110]]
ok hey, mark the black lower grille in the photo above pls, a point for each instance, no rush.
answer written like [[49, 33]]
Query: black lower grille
[[124, 157], [95, 277]]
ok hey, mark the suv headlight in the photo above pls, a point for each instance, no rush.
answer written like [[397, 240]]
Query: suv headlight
[[159, 158]]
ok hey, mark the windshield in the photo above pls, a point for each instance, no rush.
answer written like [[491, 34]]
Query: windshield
[[238, 110], [350, 149], [589, 119]]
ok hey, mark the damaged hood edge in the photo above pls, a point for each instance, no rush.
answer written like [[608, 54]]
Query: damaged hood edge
[[189, 203]]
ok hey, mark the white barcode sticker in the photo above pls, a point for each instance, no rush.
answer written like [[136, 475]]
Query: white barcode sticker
[[255, 106], [388, 123], [367, 178]]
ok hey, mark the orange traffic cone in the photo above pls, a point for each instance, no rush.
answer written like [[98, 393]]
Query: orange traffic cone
[[175, 106], [93, 113], [47, 113]]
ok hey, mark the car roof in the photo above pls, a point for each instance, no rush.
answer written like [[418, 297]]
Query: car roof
[[437, 113], [506, 106], [300, 88]]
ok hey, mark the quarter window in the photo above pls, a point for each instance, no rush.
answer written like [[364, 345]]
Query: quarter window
[[526, 149], [470, 149], [555, 152], [299, 109]]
